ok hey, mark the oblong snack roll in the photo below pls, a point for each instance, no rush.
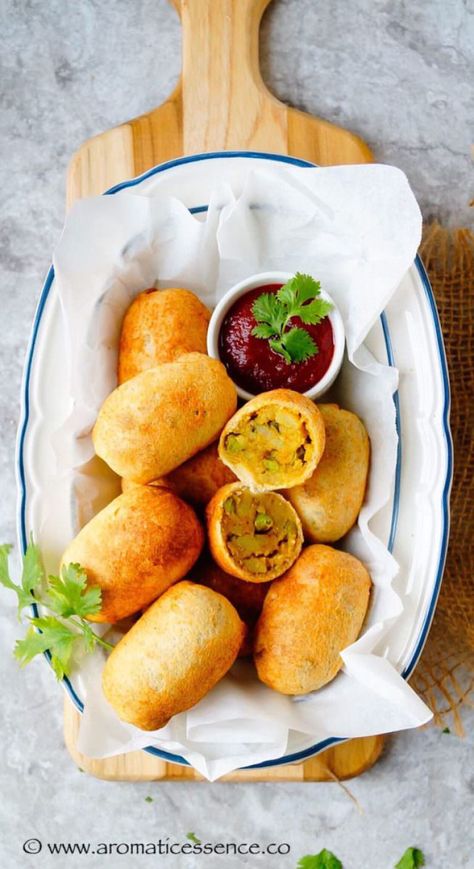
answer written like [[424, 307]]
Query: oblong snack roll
[[159, 326], [309, 616], [153, 423], [254, 536], [177, 651], [135, 548], [246, 597], [274, 441], [329, 502], [196, 480]]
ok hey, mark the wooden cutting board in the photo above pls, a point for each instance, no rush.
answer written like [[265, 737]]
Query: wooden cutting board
[[220, 103]]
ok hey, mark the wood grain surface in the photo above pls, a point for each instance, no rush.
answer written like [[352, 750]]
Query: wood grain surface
[[221, 103]]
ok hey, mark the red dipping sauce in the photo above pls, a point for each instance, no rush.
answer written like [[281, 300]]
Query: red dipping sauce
[[254, 366]]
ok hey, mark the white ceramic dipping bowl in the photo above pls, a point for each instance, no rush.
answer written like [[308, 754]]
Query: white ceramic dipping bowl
[[262, 280]]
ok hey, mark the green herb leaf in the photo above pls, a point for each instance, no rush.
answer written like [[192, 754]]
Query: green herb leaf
[[32, 575], [267, 310], [412, 859], [445, 730], [273, 312], [299, 344], [263, 330], [148, 799], [279, 347], [324, 860], [314, 312], [55, 637], [68, 595], [68, 600], [193, 838]]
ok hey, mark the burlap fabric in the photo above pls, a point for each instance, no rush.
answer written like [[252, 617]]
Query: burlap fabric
[[445, 674]]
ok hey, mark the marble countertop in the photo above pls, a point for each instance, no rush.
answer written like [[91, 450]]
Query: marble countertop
[[401, 76]]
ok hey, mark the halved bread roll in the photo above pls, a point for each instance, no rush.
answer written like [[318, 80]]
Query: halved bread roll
[[274, 441], [254, 536], [135, 548], [329, 502], [159, 326], [177, 651], [157, 420], [309, 616]]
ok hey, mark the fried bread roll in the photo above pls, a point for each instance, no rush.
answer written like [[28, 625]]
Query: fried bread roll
[[153, 423], [159, 326], [329, 502], [309, 616], [247, 597], [274, 441], [254, 536], [177, 651], [135, 548]]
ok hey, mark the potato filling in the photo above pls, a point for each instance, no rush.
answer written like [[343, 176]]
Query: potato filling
[[259, 530], [273, 440]]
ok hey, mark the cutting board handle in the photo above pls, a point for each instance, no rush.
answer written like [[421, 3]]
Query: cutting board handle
[[225, 102]]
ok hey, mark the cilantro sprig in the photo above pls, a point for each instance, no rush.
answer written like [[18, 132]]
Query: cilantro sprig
[[67, 600], [299, 297]]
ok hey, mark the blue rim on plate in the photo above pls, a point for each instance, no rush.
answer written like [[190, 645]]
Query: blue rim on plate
[[25, 414]]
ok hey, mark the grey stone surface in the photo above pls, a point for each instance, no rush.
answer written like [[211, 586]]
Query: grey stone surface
[[398, 73]]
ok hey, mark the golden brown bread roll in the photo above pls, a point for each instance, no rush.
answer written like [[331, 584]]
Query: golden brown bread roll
[[159, 326], [135, 548], [247, 597], [309, 616], [329, 502], [254, 536], [274, 441], [177, 651], [153, 423], [197, 480]]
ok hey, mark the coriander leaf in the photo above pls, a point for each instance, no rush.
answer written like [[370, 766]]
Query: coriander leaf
[[412, 859], [266, 309], [263, 330], [298, 290], [68, 595], [324, 860], [314, 311], [55, 637], [33, 571], [193, 838], [299, 344], [278, 346], [24, 597], [148, 799], [445, 730]]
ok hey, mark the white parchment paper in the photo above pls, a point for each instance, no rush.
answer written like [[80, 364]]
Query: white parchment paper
[[357, 230]]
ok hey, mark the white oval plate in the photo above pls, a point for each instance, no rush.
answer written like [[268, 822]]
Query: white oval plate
[[416, 522]]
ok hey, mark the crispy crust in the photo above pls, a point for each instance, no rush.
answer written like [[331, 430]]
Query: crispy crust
[[217, 545], [329, 502], [309, 616], [197, 480], [286, 399], [246, 597], [153, 423], [135, 548], [159, 326], [176, 652]]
